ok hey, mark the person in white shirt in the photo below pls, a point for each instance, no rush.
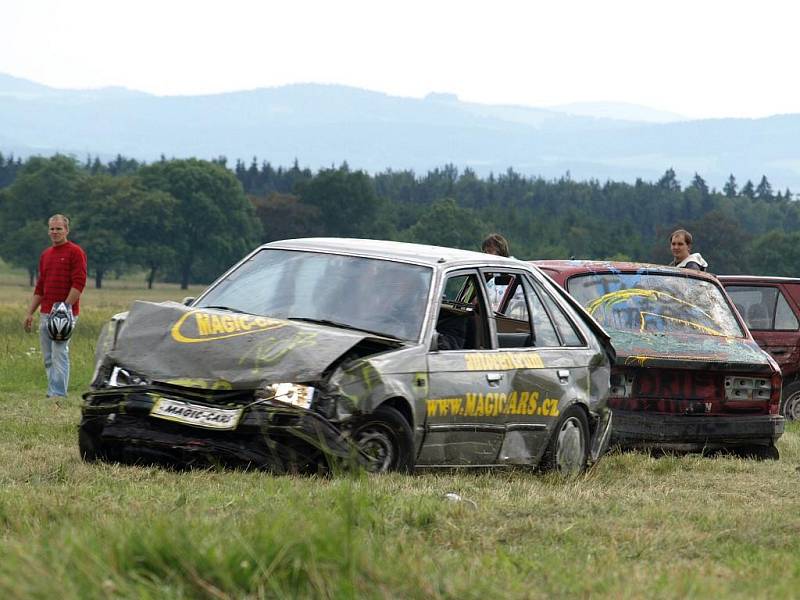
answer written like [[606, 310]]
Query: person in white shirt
[[681, 246], [498, 245]]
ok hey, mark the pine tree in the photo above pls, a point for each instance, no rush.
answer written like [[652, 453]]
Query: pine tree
[[730, 187], [669, 182], [764, 190], [700, 183]]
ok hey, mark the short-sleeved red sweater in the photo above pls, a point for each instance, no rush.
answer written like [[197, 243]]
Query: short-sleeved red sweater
[[60, 268]]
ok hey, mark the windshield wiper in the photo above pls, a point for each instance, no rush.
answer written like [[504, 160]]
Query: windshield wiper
[[226, 308], [330, 323]]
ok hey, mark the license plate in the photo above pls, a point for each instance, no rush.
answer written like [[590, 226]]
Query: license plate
[[679, 385], [197, 415]]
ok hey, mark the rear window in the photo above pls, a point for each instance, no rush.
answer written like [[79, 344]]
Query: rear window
[[655, 303]]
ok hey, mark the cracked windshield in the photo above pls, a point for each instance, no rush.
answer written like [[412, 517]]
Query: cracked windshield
[[655, 304], [376, 296]]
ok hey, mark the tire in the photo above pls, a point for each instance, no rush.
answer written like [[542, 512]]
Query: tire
[[92, 449], [89, 446], [385, 441], [568, 450], [790, 402], [758, 452]]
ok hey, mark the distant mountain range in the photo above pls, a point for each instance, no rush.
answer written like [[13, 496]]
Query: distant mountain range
[[324, 125]]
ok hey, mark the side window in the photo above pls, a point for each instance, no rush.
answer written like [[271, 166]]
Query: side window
[[500, 285], [496, 286], [511, 315], [565, 327], [756, 304], [461, 323], [785, 319], [542, 326]]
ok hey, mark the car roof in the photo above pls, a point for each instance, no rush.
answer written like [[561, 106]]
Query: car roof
[[757, 279], [398, 251], [576, 267]]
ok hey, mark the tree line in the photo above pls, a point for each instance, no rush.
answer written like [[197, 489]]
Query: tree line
[[186, 220]]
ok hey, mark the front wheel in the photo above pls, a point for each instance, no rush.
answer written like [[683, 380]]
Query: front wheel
[[790, 405], [385, 441], [568, 450]]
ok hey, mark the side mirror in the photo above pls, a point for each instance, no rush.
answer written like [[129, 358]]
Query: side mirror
[[187, 300]]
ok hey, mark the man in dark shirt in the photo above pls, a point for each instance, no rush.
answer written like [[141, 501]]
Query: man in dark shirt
[[62, 277]]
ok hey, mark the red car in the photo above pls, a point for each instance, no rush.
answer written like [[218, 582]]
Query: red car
[[771, 308], [688, 375]]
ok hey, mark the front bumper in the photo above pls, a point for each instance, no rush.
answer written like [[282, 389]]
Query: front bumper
[[695, 432], [269, 435]]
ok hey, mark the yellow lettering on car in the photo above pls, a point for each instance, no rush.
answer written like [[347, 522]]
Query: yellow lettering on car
[[533, 401], [228, 324], [443, 407], [502, 361], [216, 324], [493, 404], [512, 403], [472, 403], [209, 327], [203, 323]]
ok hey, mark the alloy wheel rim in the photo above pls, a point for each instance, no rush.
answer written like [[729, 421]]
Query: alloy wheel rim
[[571, 447], [791, 409], [377, 446]]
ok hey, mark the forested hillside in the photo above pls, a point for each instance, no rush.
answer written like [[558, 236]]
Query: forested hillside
[[187, 220]]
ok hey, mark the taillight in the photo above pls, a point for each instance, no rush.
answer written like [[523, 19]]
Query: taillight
[[747, 388], [775, 398], [621, 385], [755, 389]]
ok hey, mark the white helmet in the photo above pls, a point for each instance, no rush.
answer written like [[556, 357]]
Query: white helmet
[[60, 322]]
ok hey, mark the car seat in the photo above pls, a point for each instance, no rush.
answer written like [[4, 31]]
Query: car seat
[[757, 317]]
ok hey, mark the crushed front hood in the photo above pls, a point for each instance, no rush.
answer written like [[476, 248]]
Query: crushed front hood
[[689, 352], [173, 343]]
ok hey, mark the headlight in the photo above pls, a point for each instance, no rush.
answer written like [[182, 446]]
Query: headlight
[[123, 378], [288, 393]]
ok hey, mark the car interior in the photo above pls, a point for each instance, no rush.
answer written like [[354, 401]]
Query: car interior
[[462, 323]]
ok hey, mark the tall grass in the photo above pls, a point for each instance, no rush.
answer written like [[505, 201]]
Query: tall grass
[[633, 527]]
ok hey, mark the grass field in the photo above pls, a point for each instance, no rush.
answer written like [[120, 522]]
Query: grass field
[[633, 527]]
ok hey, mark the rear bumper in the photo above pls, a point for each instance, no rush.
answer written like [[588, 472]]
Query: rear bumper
[[633, 428]]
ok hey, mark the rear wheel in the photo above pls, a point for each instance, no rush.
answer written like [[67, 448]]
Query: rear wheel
[[758, 452], [385, 441], [568, 450], [790, 406]]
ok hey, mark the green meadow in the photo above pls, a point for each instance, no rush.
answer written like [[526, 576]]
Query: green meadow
[[634, 526]]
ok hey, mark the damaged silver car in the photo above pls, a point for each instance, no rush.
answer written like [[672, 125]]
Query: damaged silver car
[[317, 352]]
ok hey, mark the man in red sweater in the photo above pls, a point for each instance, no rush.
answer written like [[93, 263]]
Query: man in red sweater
[[62, 277]]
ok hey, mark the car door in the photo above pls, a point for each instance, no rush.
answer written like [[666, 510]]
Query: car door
[[771, 316], [463, 425], [555, 373]]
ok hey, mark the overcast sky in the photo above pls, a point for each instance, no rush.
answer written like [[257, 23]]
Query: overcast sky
[[699, 58]]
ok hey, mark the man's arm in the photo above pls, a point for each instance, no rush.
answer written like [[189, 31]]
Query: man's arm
[[73, 296], [36, 300], [77, 276]]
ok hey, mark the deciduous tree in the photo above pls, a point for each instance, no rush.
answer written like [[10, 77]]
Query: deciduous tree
[[213, 218]]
